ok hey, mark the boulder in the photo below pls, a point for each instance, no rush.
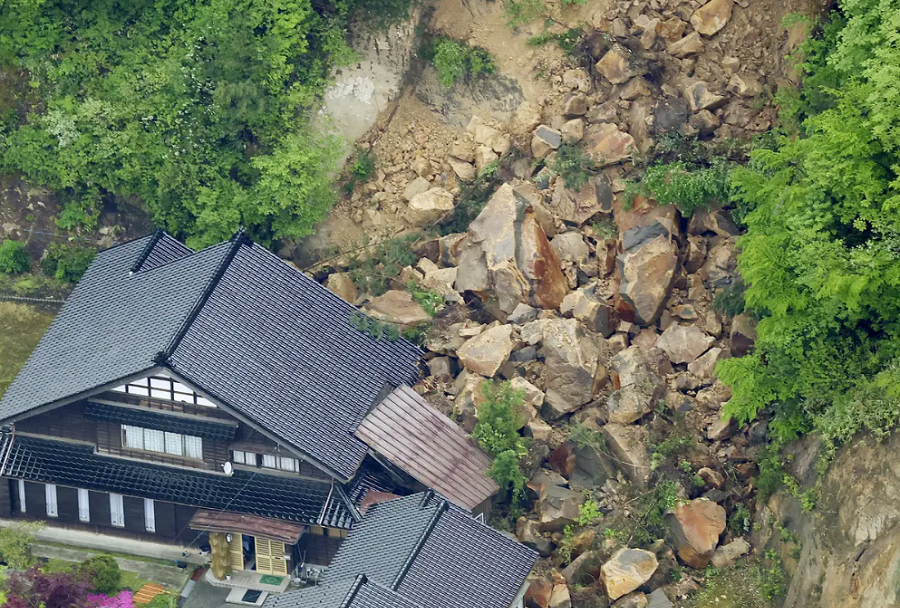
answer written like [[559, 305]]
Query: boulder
[[647, 269], [627, 570], [528, 532], [592, 467], [607, 145], [699, 97], [658, 599], [712, 16], [538, 593], [578, 79], [629, 445], [571, 357], [694, 529], [533, 396], [522, 313], [562, 459], [712, 220], [544, 141], [743, 334], [638, 388], [507, 251], [726, 555], [464, 171], [617, 65], [463, 150], [584, 304], [560, 597], [744, 86], [704, 367], [397, 307], [486, 353], [572, 131], [484, 156], [575, 104], [684, 343], [635, 599], [570, 247], [430, 205], [576, 206], [440, 367], [416, 187], [687, 46], [558, 507], [525, 119], [722, 429], [669, 114], [342, 285], [671, 29]]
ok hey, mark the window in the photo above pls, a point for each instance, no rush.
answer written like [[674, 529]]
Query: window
[[22, 495], [139, 438], [149, 515], [116, 510], [84, 505], [162, 387], [242, 457], [50, 495], [283, 463]]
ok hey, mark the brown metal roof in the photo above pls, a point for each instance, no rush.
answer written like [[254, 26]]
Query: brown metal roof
[[219, 521], [411, 434]]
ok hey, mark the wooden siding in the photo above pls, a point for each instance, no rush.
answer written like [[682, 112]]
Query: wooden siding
[[35, 500], [67, 501], [249, 439], [164, 405], [134, 514], [67, 422], [109, 441], [6, 498]]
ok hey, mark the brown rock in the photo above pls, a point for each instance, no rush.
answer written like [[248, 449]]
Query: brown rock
[[744, 86], [671, 29], [629, 445], [704, 367], [638, 387], [486, 353], [647, 269], [576, 206], [607, 145], [699, 97], [562, 459], [694, 529], [577, 79], [571, 358], [684, 343], [617, 66], [712, 16], [544, 141], [464, 171], [712, 220], [463, 150], [397, 307], [584, 305], [722, 429], [726, 555], [572, 130], [627, 570], [528, 532], [560, 597], [430, 205], [687, 46], [743, 334], [558, 507], [713, 479], [342, 285], [635, 599], [538, 593], [575, 104], [705, 122]]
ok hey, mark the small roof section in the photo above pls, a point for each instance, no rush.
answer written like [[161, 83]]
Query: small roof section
[[406, 430], [428, 552], [234, 320], [205, 520]]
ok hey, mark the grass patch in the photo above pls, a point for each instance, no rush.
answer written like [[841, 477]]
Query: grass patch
[[129, 580], [735, 587], [456, 60], [21, 328]]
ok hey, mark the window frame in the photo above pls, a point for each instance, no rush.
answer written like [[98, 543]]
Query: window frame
[[84, 505], [164, 387], [51, 500], [163, 439], [22, 507], [116, 507], [149, 515]]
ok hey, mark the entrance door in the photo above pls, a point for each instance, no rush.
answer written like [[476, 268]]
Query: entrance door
[[270, 557], [236, 552]]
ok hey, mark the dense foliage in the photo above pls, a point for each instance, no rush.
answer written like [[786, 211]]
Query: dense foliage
[[820, 257], [497, 432], [199, 110], [34, 588], [67, 263], [103, 572], [14, 542], [13, 258], [455, 60]]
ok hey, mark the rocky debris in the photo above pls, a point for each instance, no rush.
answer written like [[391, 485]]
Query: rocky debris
[[575, 104], [570, 247], [721, 429], [557, 507], [629, 445], [430, 205], [572, 131], [525, 119], [397, 307], [684, 343], [607, 145], [544, 141], [712, 478], [658, 599], [486, 353], [726, 555], [532, 395], [717, 221], [342, 285], [507, 251], [528, 532], [635, 599], [617, 65], [523, 313], [639, 388], [627, 570], [576, 206], [699, 97], [416, 187], [687, 46], [744, 86], [585, 305], [571, 358], [710, 18], [578, 79], [694, 529], [560, 597], [538, 593], [464, 171], [704, 367], [647, 268], [440, 367], [743, 334], [562, 459]]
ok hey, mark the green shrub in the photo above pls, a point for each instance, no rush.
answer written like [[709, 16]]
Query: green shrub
[[683, 185], [67, 264], [361, 170], [455, 60], [14, 543], [573, 164], [164, 600], [730, 301], [103, 573], [497, 432], [13, 258], [376, 329], [373, 269], [432, 301], [605, 228], [568, 41]]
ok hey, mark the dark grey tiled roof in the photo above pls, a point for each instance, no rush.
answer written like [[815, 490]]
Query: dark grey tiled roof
[[75, 465], [111, 326], [235, 321], [429, 552], [351, 593]]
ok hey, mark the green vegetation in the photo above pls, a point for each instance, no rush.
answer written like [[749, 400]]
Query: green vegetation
[[199, 110], [103, 573], [14, 541], [739, 586], [67, 263], [823, 230], [376, 329], [373, 268], [584, 436], [670, 446], [497, 432], [730, 301], [772, 580], [21, 328], [456, 60], [574, 164], [13, 258], [431, 300], [688, 186], [652, 510], [588, 514], [605, 227], [568, 41], [740, 520], [164, 600], [361, 170]]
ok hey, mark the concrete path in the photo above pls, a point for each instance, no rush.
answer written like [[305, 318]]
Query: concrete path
[[204, 595], [103, 542], [171, 577]]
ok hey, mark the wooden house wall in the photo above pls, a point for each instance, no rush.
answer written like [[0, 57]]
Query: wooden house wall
[[67, 422], [109, 441], [6, 498]]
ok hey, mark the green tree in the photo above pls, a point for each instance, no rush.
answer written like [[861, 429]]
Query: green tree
[[497, 432], [103, 573], [14, 543], [13, 258], [820, 257]]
